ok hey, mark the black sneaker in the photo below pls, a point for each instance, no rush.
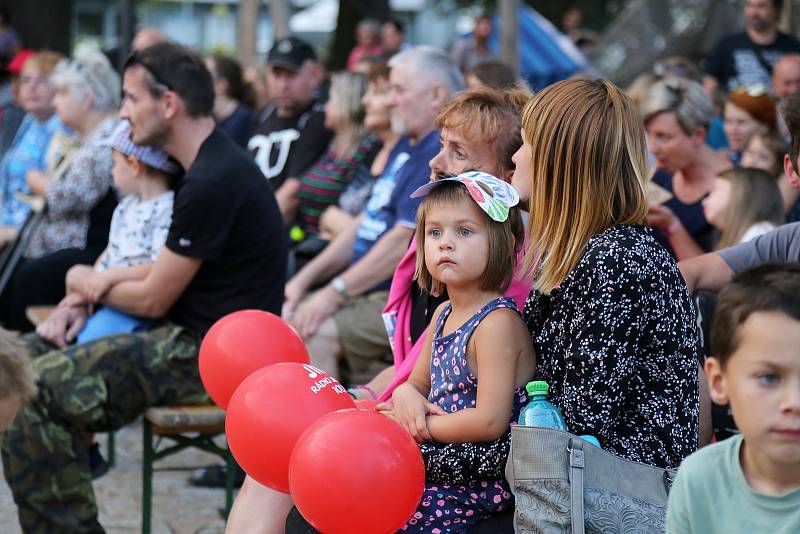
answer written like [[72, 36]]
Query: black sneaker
[[97, 464], [214, 477]]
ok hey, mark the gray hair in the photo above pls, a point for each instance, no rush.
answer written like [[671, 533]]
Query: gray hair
[[432, 63], [90, 72], [687, 99]]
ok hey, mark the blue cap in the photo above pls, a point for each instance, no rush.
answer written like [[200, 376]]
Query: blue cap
[[149, 155]]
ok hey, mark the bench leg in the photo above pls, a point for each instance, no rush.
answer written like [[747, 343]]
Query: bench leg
[[112, 449], [230, 471], [147, 477]]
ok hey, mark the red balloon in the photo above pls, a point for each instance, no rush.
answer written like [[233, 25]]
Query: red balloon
[[367, 404], [241, 343], [271, 409], [356, 471]]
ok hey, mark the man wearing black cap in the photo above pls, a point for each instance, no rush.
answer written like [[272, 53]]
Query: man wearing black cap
[[290, 134]]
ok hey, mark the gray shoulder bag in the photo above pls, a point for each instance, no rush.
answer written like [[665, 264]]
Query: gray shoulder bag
[[564, 484]]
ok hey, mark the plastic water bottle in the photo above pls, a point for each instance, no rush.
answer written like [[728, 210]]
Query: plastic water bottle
[[540, 411]]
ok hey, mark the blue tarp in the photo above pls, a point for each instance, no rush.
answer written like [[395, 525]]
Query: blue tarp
[[546, 55]]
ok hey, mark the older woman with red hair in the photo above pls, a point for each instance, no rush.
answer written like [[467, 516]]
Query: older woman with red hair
[[748, 111]]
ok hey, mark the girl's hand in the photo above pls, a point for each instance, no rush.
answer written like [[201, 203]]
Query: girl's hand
[[386, 408], [411, 409]]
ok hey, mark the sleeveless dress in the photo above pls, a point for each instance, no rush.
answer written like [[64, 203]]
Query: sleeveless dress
[[450, 508]]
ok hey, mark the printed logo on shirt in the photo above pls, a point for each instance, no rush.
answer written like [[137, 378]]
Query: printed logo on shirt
[[263, 146], [749, 70], [373, 225]]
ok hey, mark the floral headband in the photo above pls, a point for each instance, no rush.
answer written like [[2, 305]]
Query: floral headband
[[494, 196]]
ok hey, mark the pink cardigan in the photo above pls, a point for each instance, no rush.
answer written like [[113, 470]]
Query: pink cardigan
[[397, 316]]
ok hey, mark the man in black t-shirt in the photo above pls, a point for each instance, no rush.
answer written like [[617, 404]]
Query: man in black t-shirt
[[226, 251], [747, 58], [290, 135]]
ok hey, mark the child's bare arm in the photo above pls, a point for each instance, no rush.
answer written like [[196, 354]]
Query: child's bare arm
[[504, 358], [410, 400], [79, 277], [420, 376], [101, 282], [115, 275]]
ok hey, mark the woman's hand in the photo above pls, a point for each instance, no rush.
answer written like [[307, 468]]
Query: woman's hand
[[7, 235], [410, 410], [663, 218], [37, 181]]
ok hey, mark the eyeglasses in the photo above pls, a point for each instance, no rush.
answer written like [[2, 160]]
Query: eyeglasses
[[34, 81]]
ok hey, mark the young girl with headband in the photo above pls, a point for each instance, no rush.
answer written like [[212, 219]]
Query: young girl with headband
[[467, 236]]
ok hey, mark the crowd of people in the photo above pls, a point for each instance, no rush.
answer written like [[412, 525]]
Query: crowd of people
[[422, 220]]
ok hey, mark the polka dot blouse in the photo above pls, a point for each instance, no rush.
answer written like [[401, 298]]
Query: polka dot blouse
[[618, 343]]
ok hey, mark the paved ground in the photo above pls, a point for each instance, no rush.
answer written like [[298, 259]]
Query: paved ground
[[177, 507]]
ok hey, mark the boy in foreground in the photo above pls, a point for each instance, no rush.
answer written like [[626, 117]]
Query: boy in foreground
[[749, 482]]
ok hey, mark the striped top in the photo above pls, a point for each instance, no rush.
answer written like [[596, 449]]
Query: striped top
[[321, 185]]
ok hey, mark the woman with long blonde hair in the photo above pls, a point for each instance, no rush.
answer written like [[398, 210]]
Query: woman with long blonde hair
[[609, 314], [744, 203]]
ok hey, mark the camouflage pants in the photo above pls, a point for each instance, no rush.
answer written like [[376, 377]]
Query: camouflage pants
[[95, 387]]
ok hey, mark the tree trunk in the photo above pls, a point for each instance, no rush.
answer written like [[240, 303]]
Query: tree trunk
[[509, 33], [279, 11], [344, 38], [247, 25], [42, 24]]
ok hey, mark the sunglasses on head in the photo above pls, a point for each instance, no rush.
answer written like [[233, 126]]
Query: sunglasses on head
[[136, 59]]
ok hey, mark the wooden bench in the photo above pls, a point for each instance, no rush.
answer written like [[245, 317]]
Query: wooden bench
[[185, 427]]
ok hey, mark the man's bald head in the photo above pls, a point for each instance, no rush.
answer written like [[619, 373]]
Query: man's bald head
[[147, 37], [786, 76]]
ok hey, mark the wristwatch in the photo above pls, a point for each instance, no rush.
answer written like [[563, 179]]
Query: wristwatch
[[340, 286]]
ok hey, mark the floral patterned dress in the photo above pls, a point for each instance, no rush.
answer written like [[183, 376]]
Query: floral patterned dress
[[447, 508]]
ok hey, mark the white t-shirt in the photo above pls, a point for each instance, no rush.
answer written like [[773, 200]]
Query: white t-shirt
[[756, 230], [138, 231]]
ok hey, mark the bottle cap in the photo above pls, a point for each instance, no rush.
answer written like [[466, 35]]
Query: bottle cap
[[539, 387]]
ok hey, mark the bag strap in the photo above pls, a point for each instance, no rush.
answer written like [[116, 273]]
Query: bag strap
[[576, 465], [759, 57]]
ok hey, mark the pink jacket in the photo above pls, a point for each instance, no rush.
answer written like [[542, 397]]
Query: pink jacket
[[397, 316]]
